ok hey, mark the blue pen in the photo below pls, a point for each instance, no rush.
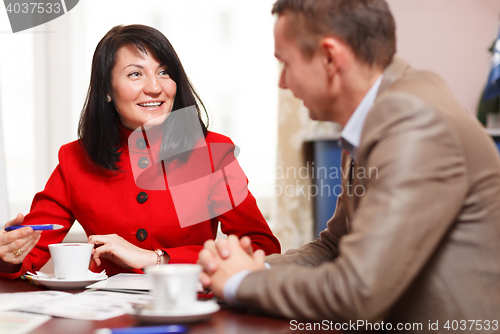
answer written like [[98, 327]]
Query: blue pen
[[36, 227], [144, 330]]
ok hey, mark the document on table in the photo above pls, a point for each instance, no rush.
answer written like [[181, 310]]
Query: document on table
[[20, 322], [10, 301], [131, 283], [91, 305], [135, 283]]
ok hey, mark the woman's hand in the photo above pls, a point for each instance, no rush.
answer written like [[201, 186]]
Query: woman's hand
[[120, 251], [16, 244]]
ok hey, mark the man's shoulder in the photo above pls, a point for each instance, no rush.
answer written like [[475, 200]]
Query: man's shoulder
[[407, 92], [400, 76], [421, 83], [418, 106]]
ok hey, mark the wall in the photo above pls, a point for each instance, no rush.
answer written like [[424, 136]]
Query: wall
[[450, 37]]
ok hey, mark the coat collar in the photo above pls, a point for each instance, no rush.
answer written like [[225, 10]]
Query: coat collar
[[128, 138], [395, 70]]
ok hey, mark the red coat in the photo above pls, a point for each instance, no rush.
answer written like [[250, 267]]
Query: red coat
[[106, 202]]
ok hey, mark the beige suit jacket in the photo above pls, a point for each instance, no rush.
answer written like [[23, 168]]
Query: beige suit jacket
[[423, 242]]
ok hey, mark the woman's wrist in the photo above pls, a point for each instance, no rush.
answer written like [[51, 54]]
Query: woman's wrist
[[158, 256], [162, 257]]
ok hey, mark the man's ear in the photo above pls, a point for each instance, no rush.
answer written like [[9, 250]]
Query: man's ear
[[333, 50]]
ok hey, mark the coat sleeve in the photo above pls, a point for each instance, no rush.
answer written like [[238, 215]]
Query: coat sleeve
[[238, 213], [396, 228], [50, 206], [245, 219]]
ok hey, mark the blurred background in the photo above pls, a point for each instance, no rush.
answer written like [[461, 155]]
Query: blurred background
[[227, 50]]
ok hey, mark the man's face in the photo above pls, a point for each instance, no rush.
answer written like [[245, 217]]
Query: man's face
[[306, 78]]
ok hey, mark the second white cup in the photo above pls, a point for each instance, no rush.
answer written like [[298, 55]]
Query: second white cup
[[174, 286], [71, 260]]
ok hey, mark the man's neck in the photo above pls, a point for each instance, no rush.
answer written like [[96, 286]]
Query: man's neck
[[356, 82]]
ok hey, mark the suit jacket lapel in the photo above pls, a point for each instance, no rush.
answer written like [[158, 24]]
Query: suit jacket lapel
[[393, 72], [348, 179]]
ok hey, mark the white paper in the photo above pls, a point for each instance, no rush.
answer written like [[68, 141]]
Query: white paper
[[10, 301], [134, 283], [91, 305], [20, 322], [123, 282]]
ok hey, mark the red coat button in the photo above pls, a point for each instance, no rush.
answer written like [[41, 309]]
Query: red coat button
[[143, 162], [141, 144], [142, 197], [141, 234]]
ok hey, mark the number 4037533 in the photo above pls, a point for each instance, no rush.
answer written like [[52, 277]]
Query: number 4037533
[[34, 7], [468, 325]]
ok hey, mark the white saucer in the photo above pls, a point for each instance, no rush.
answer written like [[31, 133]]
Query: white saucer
[[201, 310], [50, 281]]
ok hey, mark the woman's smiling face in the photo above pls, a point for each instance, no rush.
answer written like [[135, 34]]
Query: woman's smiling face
[[141, 89]]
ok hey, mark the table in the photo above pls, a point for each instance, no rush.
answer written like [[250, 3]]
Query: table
[[227, 320]]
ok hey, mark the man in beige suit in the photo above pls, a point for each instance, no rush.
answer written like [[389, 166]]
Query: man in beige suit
[[422, 246]]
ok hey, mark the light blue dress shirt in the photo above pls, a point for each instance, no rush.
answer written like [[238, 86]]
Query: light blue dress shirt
[[351, 133]]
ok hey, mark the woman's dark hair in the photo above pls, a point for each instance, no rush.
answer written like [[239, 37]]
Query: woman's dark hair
[[99, 121]]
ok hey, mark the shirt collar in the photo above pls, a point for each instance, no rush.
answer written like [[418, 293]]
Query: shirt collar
[[351, 134]]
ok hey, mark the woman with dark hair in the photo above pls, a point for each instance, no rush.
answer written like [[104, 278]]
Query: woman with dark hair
[[146, 179]]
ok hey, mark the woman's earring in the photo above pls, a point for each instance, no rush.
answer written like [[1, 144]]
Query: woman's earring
[[108, 98]]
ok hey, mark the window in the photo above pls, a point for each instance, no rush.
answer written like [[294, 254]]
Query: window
[[227, 51]]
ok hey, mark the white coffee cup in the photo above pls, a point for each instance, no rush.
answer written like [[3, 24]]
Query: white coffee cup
[[71, 260], [174, 286]]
